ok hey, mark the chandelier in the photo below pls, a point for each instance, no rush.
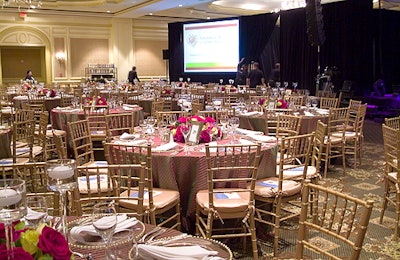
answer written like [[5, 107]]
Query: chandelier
[[292, 4], [29, 4]]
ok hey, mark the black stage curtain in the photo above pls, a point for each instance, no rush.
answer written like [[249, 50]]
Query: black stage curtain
[[387, 51], [348, 45], [298, 58], [254, 33], [271, 54]]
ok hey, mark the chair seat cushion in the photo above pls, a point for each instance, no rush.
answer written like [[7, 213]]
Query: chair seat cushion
[[336, 138], [268, 187], [294, 173], [102, 179], [161, 198], [225, 202], [97, 163], [49, 133]]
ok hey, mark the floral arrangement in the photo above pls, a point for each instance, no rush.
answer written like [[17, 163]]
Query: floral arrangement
[[183, 84], [279, 104], [43, 243], [167, 91], [231, 88], [209, 132], [98, 101], [26, 86], [128, 87]]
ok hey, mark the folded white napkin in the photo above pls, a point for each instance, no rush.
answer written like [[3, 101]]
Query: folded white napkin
[[245, 142], [263, 138], [306, 113], [126, 136], [33, 214], [213, 150], [323, 111], [165, 147], [248, 132], [130, 106], [123, 222], [131, 142], [252, 113], [174, 253]]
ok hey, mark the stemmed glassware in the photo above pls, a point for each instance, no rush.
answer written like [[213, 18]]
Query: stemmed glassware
[[12, 208], [221, 81], [234, 124], [36, 210], [104, 220], [224, 120], [61, 178], [185, 129], [314, 103]]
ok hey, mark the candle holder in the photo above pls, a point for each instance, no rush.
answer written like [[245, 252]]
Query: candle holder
[[61, 178], [12, 208]]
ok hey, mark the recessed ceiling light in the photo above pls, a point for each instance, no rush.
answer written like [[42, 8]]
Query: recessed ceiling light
[[150, 13], [208, 18], [108, 11], [180, 5]]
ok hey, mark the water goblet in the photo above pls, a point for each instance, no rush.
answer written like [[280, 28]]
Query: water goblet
[[37, 210], [12, 208], [234, 124], [104, 220], [61, 178], [224, 120], [314, 103], [221, 81], [185, 129]]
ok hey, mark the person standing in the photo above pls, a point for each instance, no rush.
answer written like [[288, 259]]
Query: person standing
[[241, 73], [255, 77], [133, 75], [29, 75]]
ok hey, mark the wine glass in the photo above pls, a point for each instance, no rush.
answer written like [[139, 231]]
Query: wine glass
[[12, 208], [224, 120], [185, 129], [221, 81], [104, 220], [234, 124], [314, 103], [37, 210], [61, 178]]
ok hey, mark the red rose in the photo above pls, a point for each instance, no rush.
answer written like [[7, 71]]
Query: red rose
[[53, 243], [19, 253], [205, 137], [16, 233]]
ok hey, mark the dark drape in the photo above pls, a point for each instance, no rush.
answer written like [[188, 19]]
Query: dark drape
[[348, 45], [298, 58], [254, 33], [271, 53], [387, 47]]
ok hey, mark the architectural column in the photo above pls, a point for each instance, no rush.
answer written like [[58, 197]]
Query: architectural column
[[122, 44]]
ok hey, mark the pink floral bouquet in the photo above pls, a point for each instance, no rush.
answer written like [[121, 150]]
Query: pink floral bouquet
[[99, 101], [228, 88], [42, 92], [281, 104], [41, 243], [209, 132], [128, 87], [52, 93], [167, 92]]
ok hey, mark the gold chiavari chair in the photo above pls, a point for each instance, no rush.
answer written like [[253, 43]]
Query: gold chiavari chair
[[391, 142], [327, 103], [66, 100], [60, 145], [82, 144], [118, 124], [287, 125], [96, 117], [296, 100], [231, 177], [23, 136], [275, 192], [169, 116], [196, 107], [334, 144], [162, 205], [393, 122], [157, 106], [271, 118], [338, 217]]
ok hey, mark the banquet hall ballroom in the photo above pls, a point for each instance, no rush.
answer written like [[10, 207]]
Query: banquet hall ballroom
[[319, 143]]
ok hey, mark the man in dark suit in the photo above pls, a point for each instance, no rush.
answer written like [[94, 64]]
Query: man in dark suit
[[133, 75], [255, 77]]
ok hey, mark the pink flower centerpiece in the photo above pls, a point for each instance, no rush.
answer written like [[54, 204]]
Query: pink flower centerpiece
[[128, 87], [99, 101], [41, 243], [209, 132]]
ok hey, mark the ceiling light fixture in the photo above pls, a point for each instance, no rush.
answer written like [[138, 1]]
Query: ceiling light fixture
[[292, 4], [29, 4]]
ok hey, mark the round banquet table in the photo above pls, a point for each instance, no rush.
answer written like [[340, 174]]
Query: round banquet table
[[146, 104], [60, 117], [49, 102], [256, 122], [187, 174], [5, 141], [124, 248]]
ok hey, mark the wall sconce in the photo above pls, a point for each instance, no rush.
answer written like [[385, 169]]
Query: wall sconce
[[60, 56]]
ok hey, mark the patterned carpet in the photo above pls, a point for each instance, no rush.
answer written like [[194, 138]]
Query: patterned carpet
[[364, 182]]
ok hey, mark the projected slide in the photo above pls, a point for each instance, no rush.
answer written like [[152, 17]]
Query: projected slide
[[211, 46]]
